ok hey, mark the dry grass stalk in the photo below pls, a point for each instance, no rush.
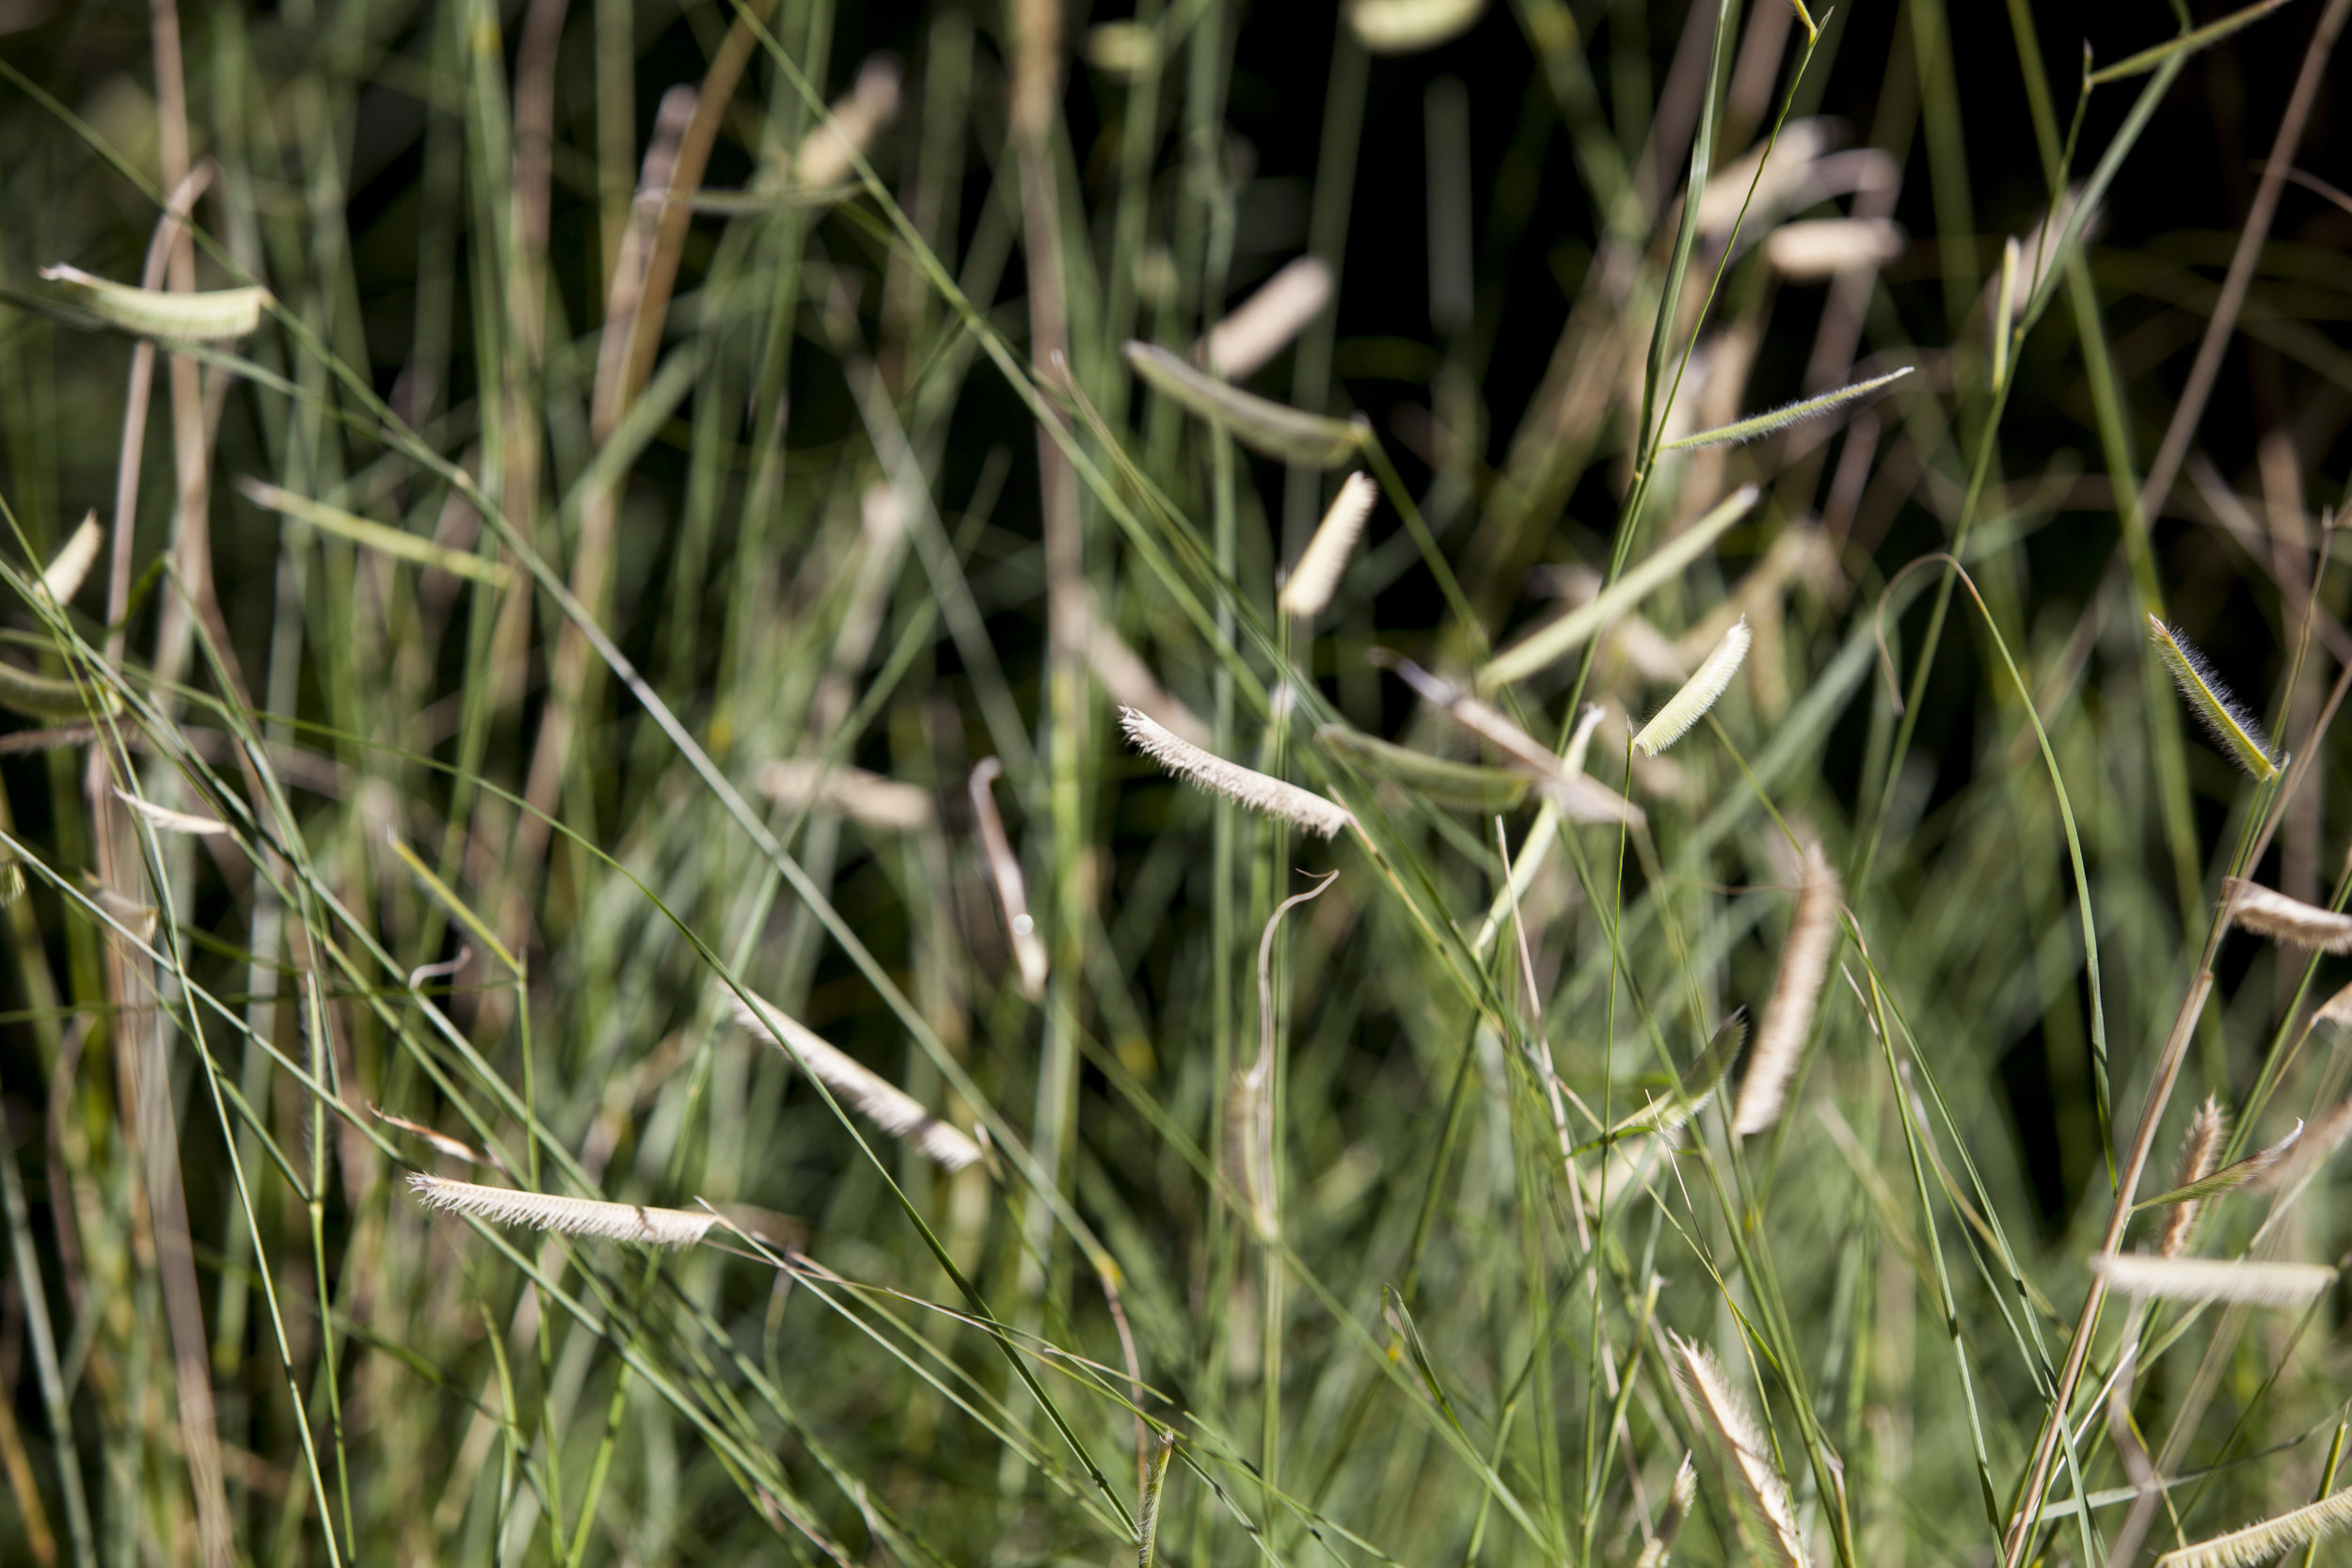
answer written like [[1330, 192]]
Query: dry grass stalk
[[862, 797], [2197, 1156], [64, 578], [1814, 250], [1796, 991], [880, 1101], [1249, 1103], [1316, 577], [825, 155], [1264, 324], [2258, 1544], [1687, 705], [1270, 797], [2232, 728], [2249, 1283], [1751, 1455], [220, 315], [569, 1216], [2287, 921], [1679, 1500], [1004, 874]]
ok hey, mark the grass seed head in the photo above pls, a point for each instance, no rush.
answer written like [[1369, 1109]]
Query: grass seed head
[[1268, 796], [1264, 324], [2232, 728], [2289, 922], [1751, 1455], [1687, 705], [2258, 1544], [569, 1216], [874, 1097], [1316, 577], [2198, 1151], [2239, 1280], [1796, 991]]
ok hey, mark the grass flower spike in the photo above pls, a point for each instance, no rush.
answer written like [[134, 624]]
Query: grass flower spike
[[1735, 1422], [1680, 1497], [1268, 796], [1687, 705], [221, 315], [2259, 1544], [64, 578], [883, 1103], [569, 1216], [2197, 1156], [1317, 577], [1264, 324], [2232, 728], [1796, 989], [2250, 1284]]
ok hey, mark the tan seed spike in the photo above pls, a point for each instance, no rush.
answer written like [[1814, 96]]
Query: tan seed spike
[[825, 157], [2288, 920], [1687, 707], [1004, 872], [1679, 1500], [872, 1096], [1264, 324], [2232, 728], [2250, 1284], [2258, 1544], [1269, 797], [569, 1216], [1796, 989], [2197, 1156], [1312, 581], [1410, 26], [1750, 1454], [862, 797], [64, 578]]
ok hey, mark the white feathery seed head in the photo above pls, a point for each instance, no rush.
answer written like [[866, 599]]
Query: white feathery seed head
[[569, 1216], [1270, 797], [2249, 1283], [872, 1096], [2288, 920], [1751, 1456], [64, 575], [1409, 26], [1796, 991], [2198, 1150], [2259, 1544], [1687, 705], [1316, 577], [2232, 728], [1264, 324]]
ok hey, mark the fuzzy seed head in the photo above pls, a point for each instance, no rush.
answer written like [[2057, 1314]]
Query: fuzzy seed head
[[1687, 705], [2233, 729], [1269, 797], [1317, 577]]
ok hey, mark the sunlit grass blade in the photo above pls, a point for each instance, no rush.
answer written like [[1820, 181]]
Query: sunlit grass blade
[[2186, 44], [1259, 424], [1757, 425]]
